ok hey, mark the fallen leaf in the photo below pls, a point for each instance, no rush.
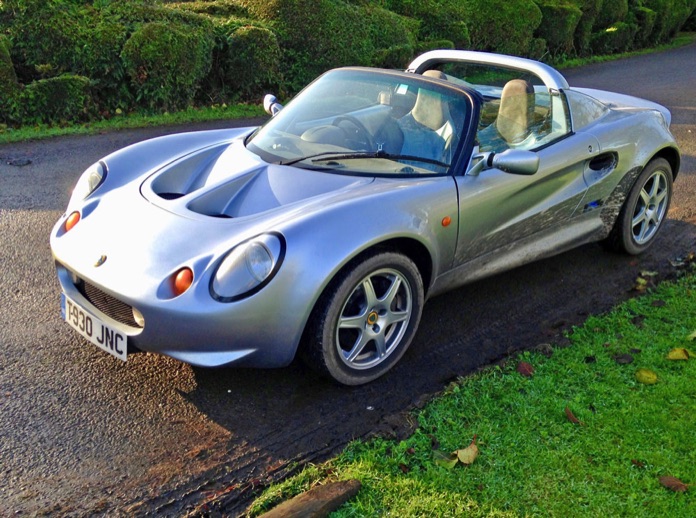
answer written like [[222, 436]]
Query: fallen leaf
[[673, 483], [411, 451], [571, 417], [641, 284], [638, 321], [444, 460], [692, 336], [678, 354], [468, 455], [404, 468], [637, 463], [623, 359], [658, 303], [635, 351], [646, 376], [646, 273], [525, 369]]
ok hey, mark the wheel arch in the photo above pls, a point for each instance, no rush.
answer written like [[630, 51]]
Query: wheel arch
[[672, 156]]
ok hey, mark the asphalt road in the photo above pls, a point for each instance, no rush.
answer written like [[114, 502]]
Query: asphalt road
[[81, 433]]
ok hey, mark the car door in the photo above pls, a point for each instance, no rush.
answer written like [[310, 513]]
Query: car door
[[497, 209]]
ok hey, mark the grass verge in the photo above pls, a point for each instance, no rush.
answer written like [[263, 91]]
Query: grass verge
[[132, 121], [533, 459]]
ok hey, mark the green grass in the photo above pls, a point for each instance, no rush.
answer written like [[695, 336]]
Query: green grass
[[533, 460], [131, 121], [681, 40]]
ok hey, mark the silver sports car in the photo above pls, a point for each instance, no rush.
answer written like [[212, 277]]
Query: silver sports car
[[323, 232]]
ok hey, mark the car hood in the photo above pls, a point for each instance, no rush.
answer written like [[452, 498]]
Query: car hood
[[228, 181]]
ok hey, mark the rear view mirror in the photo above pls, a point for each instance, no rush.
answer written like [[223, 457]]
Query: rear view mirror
[[513, 161], [271, 104]]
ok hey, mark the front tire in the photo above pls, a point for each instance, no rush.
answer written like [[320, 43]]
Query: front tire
[[645, 210], [366, 319]]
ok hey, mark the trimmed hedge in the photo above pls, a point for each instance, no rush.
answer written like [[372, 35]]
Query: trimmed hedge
[[439, 20], [617, 38], [505, 26], [65, 98], [558, 24], [583, 33], [317, 35], [165, 63], [9, 86], [612, 11], [245, 63], [644, 19]]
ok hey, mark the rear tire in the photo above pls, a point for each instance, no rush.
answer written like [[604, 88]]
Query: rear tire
[[644, 211], [366, 319]]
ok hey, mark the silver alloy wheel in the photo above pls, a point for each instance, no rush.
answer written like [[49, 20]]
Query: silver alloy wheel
[[374, 319], [651, 207]]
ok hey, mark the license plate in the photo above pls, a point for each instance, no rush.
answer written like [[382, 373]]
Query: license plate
[[100, 334]]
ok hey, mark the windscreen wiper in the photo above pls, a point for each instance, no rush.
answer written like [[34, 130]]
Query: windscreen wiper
[[339, 155]]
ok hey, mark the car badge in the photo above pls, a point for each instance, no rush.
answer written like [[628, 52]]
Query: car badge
[[100, 261]]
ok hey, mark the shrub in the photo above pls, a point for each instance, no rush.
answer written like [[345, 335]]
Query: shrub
[[644, 19], [612, 11], [65, 98], [583, 32], [617, 38], [317, 35], [246, 63], [558, 24], [505, 26], [671, 16], [8, 81], [166, 62], [438, 19]]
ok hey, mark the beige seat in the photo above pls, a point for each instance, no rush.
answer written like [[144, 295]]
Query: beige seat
[[516, 111], [427, 129]]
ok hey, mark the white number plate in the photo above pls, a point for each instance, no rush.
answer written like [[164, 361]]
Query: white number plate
[[108, 339]]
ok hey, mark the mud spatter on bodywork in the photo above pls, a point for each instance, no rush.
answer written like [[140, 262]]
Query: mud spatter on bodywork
[[615, 201]]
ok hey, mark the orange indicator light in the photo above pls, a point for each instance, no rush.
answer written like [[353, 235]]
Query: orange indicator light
[[72, 220], [446, 221], [182, 281]]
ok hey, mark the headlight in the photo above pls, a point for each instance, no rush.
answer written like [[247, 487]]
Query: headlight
[[247, 268], [92, 178]]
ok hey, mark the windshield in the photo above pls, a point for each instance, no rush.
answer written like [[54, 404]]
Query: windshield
[[367, 121]]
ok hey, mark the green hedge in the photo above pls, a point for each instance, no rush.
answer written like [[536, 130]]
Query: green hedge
[[644, 19], [558, 25], [245, 63], [8, 81], [617, 38], [671, 16], [165, 63], [442, 20], [583, 32], [317, 35], [65, 98], [505, 26], [612, 11]]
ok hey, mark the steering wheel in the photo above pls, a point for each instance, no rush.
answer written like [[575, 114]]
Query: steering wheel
[[361, 134]]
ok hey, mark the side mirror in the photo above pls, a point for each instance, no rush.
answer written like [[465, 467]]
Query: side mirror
[[271, 105], [513, 161]]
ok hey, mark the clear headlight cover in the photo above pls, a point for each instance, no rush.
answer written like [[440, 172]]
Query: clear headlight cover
[[92, 178], [247, 268]]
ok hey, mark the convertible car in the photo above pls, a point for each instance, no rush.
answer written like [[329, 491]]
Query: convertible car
[[323, 232]]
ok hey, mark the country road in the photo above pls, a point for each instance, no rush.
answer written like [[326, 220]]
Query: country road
[[82, 433]]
